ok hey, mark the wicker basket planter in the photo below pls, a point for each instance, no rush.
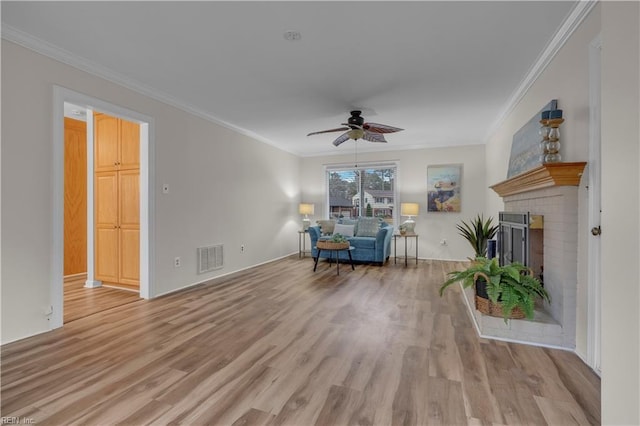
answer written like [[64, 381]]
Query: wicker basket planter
[[330, 245], [487, 307]]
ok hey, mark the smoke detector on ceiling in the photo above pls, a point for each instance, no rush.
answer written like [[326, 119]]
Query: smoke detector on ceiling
[[292, 35]]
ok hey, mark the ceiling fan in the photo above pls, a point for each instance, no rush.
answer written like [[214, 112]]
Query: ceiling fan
[[356, 128]]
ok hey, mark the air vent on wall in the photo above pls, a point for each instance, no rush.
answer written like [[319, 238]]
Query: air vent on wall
[[209, 258]]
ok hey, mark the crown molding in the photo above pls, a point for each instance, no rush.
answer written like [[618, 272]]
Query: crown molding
[[61, 55], [573, 21]]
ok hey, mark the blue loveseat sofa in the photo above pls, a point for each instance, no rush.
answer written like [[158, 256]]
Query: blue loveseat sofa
[[368, 249]]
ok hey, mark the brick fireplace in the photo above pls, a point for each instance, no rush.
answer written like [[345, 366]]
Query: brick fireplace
[[550, 191]]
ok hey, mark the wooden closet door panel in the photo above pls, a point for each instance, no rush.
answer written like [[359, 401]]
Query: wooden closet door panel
[[117, 200], [129, 193], [107, 256], [75, 196], [106, 142], [130, 256], [106, 199], [129, 145]]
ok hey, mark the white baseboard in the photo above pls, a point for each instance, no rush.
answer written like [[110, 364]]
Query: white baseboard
[[92, 284], [212, 279]]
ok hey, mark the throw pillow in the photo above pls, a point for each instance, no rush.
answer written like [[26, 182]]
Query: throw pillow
[[344, 230], [326, 226], [368, 227], [353, 222]]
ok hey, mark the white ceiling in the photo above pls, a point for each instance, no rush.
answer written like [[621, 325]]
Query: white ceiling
[[444, 71]]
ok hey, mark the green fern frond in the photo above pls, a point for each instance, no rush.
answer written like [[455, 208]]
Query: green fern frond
[[510, 285]]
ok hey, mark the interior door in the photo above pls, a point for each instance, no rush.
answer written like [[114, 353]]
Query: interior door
[[75, 197]]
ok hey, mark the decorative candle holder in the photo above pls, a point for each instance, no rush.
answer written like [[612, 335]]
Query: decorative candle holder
[[544, 133], [552, 144]]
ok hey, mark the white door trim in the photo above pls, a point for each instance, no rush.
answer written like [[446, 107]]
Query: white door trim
[[90, 281], [594, 277], [147, 211]]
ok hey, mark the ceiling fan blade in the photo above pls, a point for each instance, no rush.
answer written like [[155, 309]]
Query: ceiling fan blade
[[373, 137], [339, 129], [342, 138], [380, 128]]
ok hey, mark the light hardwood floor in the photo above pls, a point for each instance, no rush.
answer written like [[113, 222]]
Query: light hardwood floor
[[279, 344], [80, 302]]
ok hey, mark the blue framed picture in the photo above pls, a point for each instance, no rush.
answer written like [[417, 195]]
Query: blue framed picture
[[443, 188]]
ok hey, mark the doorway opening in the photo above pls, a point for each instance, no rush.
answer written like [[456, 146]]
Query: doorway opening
[[82, 297], [76, 290]]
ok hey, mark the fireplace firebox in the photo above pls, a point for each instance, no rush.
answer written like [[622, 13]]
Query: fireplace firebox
[[520, 239]]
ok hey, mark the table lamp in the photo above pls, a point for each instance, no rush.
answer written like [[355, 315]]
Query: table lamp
[[306, 209], [410, 210]]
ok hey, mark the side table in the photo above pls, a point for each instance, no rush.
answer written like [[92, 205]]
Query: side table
[[302, 243], [395, 249]]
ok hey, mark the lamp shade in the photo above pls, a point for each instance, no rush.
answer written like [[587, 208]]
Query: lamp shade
[[409, 209], [305, 208]]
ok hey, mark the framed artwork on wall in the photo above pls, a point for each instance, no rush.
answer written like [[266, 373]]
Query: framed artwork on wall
[[525, 148], [443, 187]]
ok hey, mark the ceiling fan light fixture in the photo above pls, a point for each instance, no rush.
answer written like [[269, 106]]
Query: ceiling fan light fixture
[[355, 128], [292, 35]]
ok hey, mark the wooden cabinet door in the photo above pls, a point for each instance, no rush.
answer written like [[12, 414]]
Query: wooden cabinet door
[[106, 142], [106, 199], [106, 218], [129, 193], [129, 145], [107, 258], [129, 261], [129, 198]]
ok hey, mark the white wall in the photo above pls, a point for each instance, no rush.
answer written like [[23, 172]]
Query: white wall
[[225, 188], [620, 213], [412, 187], [567, 80]]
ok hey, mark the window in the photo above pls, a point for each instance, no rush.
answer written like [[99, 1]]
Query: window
[[362, 191]]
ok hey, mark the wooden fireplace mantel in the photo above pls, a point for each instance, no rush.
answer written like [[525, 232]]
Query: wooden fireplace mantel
[[544, 176]]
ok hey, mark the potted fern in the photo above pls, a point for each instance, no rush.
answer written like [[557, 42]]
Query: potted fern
[[511, 289]]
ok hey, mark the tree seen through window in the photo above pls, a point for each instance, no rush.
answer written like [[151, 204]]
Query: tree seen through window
[[355, 192]]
